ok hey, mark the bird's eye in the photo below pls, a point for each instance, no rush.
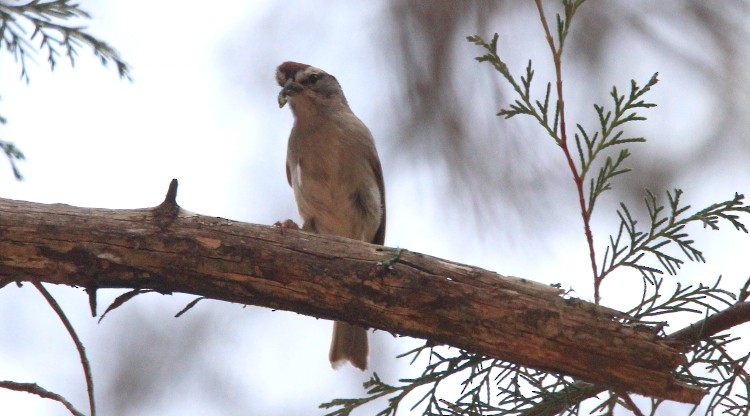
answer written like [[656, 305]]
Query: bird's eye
[[312, 79]]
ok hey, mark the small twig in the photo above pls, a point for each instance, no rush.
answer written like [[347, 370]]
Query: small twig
[[166, 212], [34, 388], [120, 300], [630, 405], [738, 367], [744, 293], [91, 292], [171, 197], [189, 306], [387, 263], [77, 341]]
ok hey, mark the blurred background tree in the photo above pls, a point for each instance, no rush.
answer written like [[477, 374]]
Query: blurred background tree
[[461, 183]]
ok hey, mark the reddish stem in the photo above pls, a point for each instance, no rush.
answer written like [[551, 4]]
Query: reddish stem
[[563, 143]]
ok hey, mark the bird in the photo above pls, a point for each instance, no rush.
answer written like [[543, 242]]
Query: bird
[[333, 168]]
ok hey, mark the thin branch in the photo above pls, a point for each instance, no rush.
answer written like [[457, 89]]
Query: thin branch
[[77, 341], [628, 401], [689, 335], [189, 306], [712, 325], [34, 388]]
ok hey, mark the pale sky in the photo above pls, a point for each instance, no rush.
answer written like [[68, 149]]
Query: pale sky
[[202, 109]]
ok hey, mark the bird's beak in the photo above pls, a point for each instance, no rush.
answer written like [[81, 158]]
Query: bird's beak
[[291, 88]]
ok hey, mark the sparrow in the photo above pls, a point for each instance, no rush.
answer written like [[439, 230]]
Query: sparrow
[[334, 170]]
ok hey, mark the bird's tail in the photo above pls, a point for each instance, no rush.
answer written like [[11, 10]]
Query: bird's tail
[[349, 343]]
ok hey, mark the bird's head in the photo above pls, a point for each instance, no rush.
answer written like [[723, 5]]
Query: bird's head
[[308, 89]]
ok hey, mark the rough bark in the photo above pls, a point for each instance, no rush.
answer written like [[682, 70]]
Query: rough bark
[[168, 249]]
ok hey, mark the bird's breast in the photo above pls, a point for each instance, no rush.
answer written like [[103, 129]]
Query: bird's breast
[[337, 201]]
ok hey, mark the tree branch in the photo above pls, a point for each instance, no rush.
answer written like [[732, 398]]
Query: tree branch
[[728, 318], [699, 331], [34, 388], [168, 250]]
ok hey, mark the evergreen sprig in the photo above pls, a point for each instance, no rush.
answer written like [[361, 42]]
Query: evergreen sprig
[[609, 135], [47, 26], [589, 146], [667, 228], [525, 104], [14, 155], [438, 371], [487, 387], [12, 152], [710, 366], [690, 299]]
